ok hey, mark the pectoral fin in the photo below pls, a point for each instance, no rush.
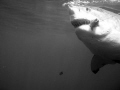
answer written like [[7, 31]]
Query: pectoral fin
[[96, 63]]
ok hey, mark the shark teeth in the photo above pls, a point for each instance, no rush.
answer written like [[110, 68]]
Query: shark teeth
[[78, 22]]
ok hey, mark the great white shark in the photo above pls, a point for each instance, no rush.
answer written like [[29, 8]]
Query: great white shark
[[99, 30]]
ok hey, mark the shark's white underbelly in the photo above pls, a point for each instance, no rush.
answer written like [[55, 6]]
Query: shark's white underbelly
[[108, 47]]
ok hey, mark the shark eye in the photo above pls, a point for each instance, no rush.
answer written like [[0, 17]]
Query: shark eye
[[87, 9]]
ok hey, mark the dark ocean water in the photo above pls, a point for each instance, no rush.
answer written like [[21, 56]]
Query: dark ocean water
[[40, 51]]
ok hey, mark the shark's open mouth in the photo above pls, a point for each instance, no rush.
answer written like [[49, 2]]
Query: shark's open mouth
[[78, 22]]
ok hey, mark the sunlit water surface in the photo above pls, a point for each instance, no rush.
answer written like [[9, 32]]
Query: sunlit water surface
[[111, 5]]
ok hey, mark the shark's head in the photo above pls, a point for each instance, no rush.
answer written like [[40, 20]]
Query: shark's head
[[91, 20]]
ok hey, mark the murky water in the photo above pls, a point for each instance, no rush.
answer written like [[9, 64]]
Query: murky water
[[40, 51]]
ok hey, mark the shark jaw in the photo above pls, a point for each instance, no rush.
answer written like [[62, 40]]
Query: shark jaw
[[82, 18], [85, 22], [79, 22], [89, 19]]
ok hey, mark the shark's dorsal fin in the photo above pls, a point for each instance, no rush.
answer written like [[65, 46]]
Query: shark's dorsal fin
[[96, 63]]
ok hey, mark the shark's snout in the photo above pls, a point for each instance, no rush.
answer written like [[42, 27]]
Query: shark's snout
[[72, 9], [75, 9], [81, 15]]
